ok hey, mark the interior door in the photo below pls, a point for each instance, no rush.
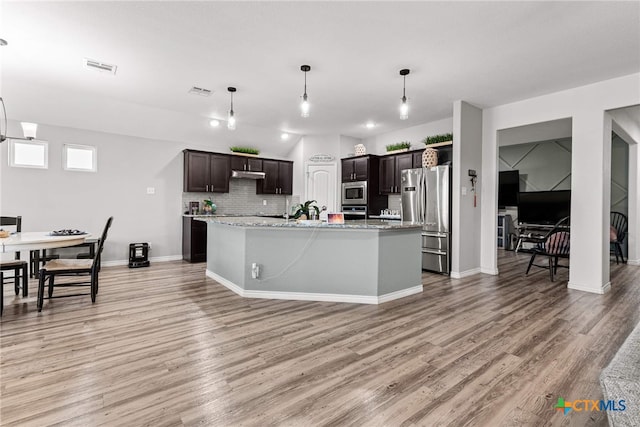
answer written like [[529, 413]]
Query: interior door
[[321, 185]]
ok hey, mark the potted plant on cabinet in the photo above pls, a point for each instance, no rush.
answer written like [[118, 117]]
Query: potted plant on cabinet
[[399, 147], [244, 151], [430, 155]]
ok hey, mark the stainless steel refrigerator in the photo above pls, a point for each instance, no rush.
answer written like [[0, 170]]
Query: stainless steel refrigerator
[[426, 200]]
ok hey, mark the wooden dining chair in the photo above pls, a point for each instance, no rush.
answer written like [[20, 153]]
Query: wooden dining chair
[[18, 266], [555, 245], [618, 234], [72, 267]]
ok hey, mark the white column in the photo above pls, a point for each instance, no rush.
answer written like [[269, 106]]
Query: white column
[[465, 223], [590, 201], [633, 239]]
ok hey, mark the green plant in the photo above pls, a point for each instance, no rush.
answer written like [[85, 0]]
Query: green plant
[[245, 150], [438, 138], [304, 208], [398, 146], [209, 205]]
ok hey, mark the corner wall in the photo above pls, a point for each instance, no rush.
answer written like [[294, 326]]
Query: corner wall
[[467, 154], [586, 105]]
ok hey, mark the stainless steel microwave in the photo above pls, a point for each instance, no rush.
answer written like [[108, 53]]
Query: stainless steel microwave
[[354, 193]]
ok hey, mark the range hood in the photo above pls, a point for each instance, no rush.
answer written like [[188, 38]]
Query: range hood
[[247, 175]]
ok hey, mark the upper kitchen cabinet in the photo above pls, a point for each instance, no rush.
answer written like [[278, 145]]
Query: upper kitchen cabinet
[[417, 158], [239, 163], [278, 177], [206, 172], [390, 170], [355, 169]]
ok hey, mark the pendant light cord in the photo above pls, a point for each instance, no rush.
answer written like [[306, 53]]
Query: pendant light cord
[[4, 115]]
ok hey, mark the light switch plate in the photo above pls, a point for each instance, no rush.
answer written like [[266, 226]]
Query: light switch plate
[[151, 190], [464, 191]]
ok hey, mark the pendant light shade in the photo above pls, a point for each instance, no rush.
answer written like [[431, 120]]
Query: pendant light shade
[[29, 130], [404, 107], [231, 119], [304, 106]]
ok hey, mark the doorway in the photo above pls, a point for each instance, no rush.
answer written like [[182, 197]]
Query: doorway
[[321, 185]]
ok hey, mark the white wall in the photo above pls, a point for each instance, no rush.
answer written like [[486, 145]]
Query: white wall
[[51, 199], [467, 154], [586, 105]]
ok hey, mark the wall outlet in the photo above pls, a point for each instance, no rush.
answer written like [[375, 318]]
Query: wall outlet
[[255, 270], [264, 202]]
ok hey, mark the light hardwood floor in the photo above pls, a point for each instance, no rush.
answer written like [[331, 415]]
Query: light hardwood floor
[[167, 346]]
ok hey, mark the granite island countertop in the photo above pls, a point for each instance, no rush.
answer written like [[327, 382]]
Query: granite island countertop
[[255, 221]]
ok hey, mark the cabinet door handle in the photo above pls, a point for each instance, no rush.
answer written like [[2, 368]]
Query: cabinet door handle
[[207, 188], [244, 167], [249, 167]]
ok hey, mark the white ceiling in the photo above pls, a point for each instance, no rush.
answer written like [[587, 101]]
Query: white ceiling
[[487, 53]]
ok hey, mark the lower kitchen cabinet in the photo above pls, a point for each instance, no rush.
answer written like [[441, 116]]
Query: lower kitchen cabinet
[[194, 240]]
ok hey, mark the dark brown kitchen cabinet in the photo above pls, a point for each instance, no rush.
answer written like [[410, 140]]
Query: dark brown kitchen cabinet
[[355, 169], [278, 178], [206, 172], [390, 171], [239, 163], [194, 240], [417, 159]]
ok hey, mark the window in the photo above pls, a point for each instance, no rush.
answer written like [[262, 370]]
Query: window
[[80, 158], [28, 154]]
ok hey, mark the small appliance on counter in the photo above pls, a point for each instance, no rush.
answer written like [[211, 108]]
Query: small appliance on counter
[[426, 198]]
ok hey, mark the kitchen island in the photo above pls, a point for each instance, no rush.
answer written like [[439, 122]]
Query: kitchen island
[[365, 261]]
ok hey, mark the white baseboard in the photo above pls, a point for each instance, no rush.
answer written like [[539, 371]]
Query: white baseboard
[[304, 296], [463, 274], [605, 288], [119, 262], [633, 262], [491, 271]]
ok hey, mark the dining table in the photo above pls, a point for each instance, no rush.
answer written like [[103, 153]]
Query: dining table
[[36, 240]]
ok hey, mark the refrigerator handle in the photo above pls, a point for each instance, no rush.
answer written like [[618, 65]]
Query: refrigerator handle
[[422, 196]]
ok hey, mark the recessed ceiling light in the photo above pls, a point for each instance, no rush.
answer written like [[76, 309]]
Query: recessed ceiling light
[[214, 123], [284, 136], [370, 125]]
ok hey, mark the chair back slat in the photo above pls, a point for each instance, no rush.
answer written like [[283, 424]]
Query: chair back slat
[[96, 257], [619, 223], [558, 243], [12, 220]]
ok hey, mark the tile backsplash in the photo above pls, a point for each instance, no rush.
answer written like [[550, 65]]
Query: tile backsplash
[[241, 199]]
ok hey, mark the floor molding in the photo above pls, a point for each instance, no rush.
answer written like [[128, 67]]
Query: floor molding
[[467, 273], [605, 288], [633, 262], [305, 296], [119, 262]]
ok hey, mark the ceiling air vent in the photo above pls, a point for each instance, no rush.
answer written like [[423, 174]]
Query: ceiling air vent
[[200, 91], [100, 66]]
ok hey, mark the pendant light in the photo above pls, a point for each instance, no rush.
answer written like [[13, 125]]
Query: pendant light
[[404, 107], [304, 106], [231, 120], [28, 129]]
